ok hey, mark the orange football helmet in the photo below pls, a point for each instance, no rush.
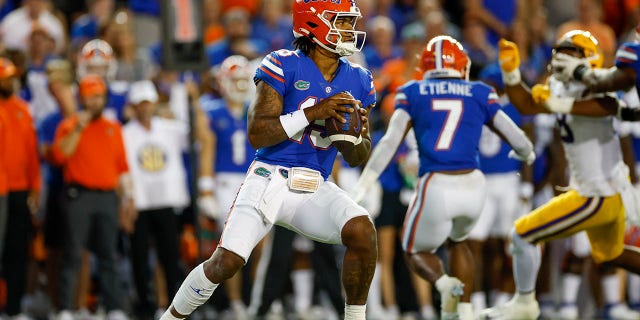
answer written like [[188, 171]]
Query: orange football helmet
[[316, 20], [444, 57]]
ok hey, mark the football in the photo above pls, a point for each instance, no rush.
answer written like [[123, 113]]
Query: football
[[343, 136]]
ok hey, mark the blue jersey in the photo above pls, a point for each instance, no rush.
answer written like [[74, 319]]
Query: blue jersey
[[494, 150], [447, 117], [297, 79], [233, 151], [627, 57]]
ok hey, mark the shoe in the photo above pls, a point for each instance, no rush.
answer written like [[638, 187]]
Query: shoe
[[620, 311], [515, 309], [117, 315], [64, 315], [568, 312], [450, 289]]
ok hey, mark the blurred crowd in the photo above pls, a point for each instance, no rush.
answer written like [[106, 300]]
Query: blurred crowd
[[100, 218]]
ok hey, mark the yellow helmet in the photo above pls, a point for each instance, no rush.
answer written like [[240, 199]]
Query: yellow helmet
[[584, 43]]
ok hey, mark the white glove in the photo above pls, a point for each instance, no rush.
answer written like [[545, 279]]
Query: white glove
[[561, 105], [209, 206], [528, 159], [563, 66]]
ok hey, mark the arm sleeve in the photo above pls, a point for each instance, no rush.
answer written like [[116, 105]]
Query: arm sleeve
[[386, 148], [514, 136]]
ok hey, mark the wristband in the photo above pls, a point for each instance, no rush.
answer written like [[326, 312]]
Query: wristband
[[206, 183], [511, 78], [294, 122], [562, 105]]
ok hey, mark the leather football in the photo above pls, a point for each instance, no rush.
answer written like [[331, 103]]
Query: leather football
[[344, 136]]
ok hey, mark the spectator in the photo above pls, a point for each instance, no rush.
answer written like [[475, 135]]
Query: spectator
[[496, 15], [237, 40], [23, 174], [14, 26], [87, 26], [41, 48], [273, 25], [131, 64], [213, 28], [99, 193], [381, 47], [146, 21]]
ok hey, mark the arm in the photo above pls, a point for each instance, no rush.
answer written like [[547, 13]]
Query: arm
[[399, 125], [502, 125], [267, 126], [67, 145]]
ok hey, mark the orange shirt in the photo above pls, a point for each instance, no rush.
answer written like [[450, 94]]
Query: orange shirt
[[99, 158], [4, 186], [20, 147]]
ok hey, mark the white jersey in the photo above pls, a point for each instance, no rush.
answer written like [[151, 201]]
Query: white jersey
[[591, 145], [155, 162]]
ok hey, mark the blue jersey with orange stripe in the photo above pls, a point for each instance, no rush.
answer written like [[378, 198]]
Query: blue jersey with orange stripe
[[447, 116], [301, 84], [627, 57]]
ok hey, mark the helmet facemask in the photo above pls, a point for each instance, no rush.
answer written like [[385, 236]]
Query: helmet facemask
[[334, 36]]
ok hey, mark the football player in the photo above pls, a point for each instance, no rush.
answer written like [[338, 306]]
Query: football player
[[287, 182], [599, 191], [447, 113], [97, 57]]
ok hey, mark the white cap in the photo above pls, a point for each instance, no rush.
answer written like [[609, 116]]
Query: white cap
[[143, 91]]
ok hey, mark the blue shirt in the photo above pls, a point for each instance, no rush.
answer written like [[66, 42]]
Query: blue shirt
[[151, 7], [297, 79], [447, 117], [233, 151], [84, 28], [220, 50]]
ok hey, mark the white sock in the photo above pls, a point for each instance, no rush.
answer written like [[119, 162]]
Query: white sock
[[570, 286], [374, 299], [611, 289], [500, 298], [465, 311], [302, 288], [428, 312], [633, 288], [526, 263], [478, 301], [194, 291], [355, 312]]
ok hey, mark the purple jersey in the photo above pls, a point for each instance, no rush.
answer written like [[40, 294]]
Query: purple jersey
[[627, 56], [447, 117], [297, 79]]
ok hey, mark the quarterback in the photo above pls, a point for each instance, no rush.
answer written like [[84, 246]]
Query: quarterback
[[287, 182]]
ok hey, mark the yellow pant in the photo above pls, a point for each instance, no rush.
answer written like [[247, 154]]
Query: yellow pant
[[601, 217]]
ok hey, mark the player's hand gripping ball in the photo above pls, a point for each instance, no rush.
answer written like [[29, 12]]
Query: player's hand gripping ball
[[344, 136]]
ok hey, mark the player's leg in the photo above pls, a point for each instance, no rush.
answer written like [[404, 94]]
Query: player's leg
[[573, 268], [317, 216], [245, 227]]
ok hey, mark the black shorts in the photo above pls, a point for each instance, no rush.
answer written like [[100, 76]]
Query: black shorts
[[392, 211]]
